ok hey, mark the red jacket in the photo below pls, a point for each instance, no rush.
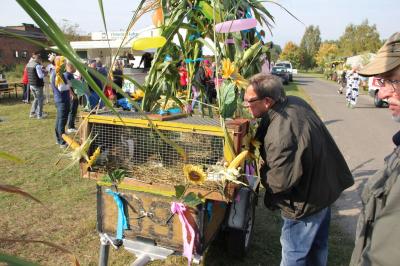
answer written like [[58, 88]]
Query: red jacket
[[25, 77]]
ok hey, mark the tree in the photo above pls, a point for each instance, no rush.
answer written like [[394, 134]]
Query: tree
[[291, 52], [71, 31], [358, 39], [327, 53], [309, 46], [275, 52]]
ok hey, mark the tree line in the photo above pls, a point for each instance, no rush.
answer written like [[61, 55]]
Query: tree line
[[313, 53]]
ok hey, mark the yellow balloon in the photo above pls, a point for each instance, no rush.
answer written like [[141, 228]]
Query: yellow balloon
[[145, 43]]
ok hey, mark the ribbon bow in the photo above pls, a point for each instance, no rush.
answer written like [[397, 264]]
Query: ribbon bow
[[179, 208]]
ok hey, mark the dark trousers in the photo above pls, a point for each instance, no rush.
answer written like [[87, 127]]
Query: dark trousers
[[61, 120], [27, 93], [72, 112]]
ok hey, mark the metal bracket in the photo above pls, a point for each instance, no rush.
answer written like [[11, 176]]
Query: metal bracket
[[105, 239]]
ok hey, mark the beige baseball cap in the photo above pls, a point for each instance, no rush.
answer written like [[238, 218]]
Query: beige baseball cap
[[387, 58]]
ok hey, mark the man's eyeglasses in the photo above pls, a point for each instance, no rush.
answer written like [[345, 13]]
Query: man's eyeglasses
[[248, 102], [380, 82]]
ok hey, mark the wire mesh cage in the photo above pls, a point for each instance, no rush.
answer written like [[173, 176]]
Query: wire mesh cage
[[136, 147]]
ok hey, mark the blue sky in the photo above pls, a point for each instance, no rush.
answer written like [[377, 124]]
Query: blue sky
[[332, 17]]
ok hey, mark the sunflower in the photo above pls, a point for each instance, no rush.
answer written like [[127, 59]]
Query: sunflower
[[194, 174], [228, 68], [240, 82]]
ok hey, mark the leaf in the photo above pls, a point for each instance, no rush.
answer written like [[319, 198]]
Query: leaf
[[204, 42], [228, 110], [15, 261], [192, 200], [79, 87], [16, 190], [228, 99], [227, 93], [10, 157], [179, 190]]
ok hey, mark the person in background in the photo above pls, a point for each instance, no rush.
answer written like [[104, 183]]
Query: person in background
[[60, 87], [183, 75], [209, 82], [378, 233], [36, 84], [303, 170], [92, 98], [102, 69], [50, 67], [25, 84], [342, 81], [146, 60], [353, 85], [118, 79], [69, 76], [199, 83]]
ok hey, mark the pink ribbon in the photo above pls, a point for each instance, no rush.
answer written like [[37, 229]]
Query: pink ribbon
[[179, 208]]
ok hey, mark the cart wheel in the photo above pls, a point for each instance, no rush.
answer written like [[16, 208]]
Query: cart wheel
[[238, 240]]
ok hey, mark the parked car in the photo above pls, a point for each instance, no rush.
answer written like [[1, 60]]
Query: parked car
[[281, 72], [373, 90], [288, 66]]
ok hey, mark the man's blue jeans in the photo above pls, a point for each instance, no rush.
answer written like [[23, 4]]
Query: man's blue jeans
[[305, 241], [61, 120]]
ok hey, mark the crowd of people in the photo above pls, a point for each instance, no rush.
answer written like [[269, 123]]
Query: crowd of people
[[60, 73]]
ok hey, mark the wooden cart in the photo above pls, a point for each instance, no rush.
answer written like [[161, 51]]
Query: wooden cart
[[153, 232]]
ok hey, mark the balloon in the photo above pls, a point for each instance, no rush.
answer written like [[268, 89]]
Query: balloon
[[188, 60], [158, 17], [236, 25], [145, 43], [207, 10]]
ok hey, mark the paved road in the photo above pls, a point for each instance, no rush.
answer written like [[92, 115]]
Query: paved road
[[363, 135]]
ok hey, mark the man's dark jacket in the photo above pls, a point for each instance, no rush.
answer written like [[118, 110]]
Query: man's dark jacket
[[304, 171]]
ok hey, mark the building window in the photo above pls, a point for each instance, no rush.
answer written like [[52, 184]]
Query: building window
[[1, 54], [16, 54], [24, 54]]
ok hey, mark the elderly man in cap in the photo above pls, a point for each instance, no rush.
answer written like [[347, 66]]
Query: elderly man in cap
[[378, 231]]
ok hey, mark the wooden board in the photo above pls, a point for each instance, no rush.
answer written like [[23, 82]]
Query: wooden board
[[156, 212]]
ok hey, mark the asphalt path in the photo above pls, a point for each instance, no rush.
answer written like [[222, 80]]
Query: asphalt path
[[363, 134]]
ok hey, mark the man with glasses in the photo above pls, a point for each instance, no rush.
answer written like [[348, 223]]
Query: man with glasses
[[303, 171], [378, 232]]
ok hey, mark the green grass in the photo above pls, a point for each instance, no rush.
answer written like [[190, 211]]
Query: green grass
[[68, 217]]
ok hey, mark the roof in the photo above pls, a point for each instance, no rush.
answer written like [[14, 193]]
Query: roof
[[34, 34]]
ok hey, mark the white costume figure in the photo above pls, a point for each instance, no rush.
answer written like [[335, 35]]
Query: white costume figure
[[353, 84]]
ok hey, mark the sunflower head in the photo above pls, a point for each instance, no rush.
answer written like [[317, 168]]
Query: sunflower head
[[194, 174], [228, 68]]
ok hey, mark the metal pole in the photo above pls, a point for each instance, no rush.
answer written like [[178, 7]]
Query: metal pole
[[142, 260], [104, 250]]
